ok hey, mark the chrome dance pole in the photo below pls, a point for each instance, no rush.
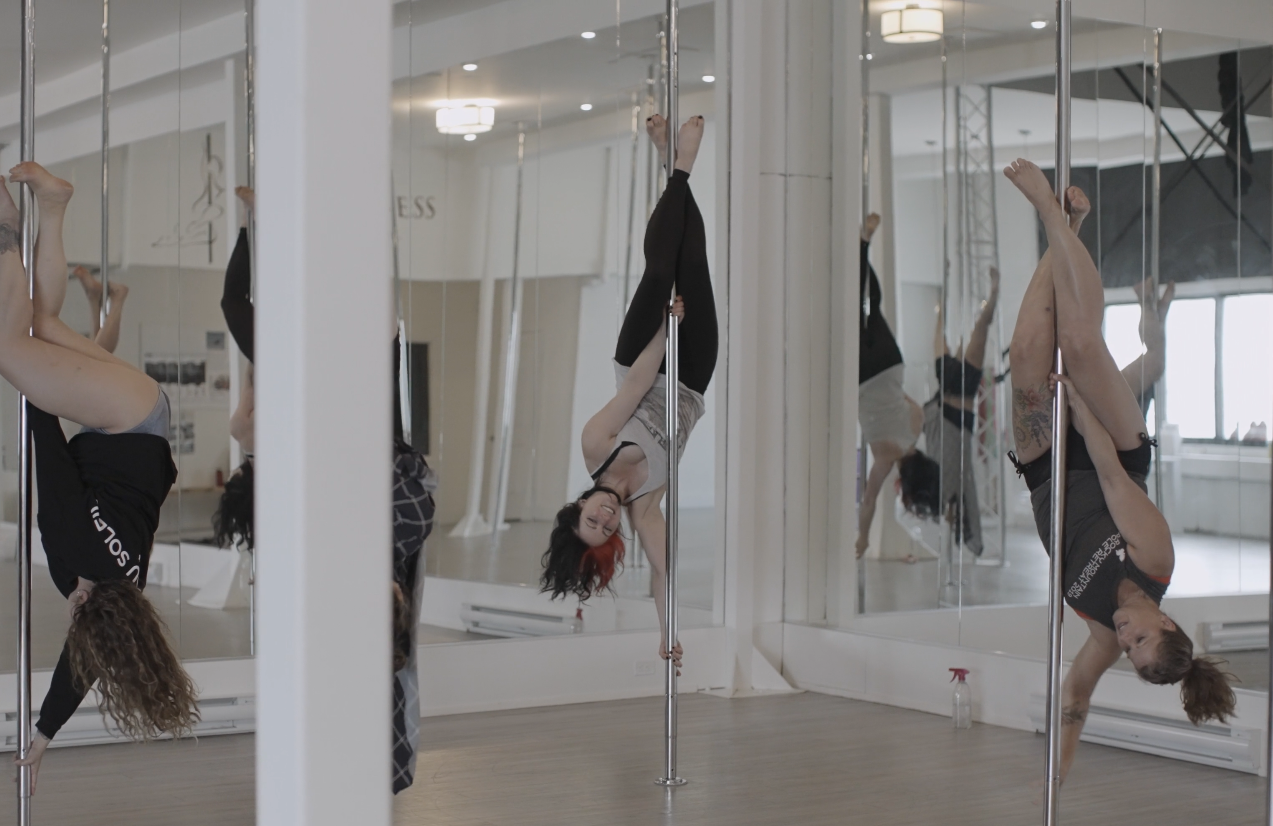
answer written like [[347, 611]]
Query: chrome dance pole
[[670, 777], [249, 99], [864, 60], [627, 260], [512, 347], [27, 207], [404, 351], [1155, 249], [104, 309], [1060, 426]]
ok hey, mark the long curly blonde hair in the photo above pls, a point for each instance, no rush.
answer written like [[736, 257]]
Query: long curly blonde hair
[[118, 640]]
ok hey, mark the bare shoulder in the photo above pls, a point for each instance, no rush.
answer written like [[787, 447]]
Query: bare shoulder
[[1157, 560]]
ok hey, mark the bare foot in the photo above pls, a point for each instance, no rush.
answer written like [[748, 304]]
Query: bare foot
[[118, 292], [994, 280], [246, 195], [50, 191], [92, 286], [1080, 207], [871, 225], [656, 128], [687, 142], [1028, 178]]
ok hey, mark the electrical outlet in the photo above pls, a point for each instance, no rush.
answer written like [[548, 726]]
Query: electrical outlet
[[644, 668]]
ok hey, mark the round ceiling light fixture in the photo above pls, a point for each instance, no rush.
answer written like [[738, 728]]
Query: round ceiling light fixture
[[588, 35], [470, 137], [1038, 24], [709, 78], [911, 25], [587, 107], [470, 67], [465, 117]]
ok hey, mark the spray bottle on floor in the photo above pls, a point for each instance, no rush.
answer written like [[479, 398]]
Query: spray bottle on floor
[[961, 705]]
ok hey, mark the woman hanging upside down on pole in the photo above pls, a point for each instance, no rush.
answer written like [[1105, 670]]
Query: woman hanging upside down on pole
[[1118, 551], [625, 443], [99, 494]]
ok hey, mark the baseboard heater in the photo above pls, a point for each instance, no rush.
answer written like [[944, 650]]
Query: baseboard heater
[[1222, 637], [505, 622], [223, 715], [1222, 746]]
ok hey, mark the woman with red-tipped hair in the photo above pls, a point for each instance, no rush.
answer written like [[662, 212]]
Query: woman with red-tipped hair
[[625, 443]]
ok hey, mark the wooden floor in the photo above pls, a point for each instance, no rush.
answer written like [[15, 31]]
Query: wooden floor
[[772, 761]]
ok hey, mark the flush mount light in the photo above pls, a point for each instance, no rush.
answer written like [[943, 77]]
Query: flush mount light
[[465, 117], [588, 35], [470, 137], [470, 67], [911, 25], [587, 107], [709, 78], [1039, 24]]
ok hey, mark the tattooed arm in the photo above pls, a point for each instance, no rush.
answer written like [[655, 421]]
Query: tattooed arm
[[1095, 657], [1032, 420]]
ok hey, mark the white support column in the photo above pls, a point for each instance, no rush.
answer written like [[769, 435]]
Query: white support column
[[846, 220], [323, 413]]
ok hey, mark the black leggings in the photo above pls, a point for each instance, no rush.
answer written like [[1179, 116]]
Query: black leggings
[[236, 297], [675, 253]]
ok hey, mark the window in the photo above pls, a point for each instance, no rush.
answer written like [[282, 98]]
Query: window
[[1207, 395]]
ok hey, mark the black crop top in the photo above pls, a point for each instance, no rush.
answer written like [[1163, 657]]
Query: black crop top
[[99, 497]]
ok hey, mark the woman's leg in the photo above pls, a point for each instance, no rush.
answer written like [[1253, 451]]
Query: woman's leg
[[108, 337], [663, 236], [1080, 310], [699, 333], [976, 352], [59, 380], [1033, 351]]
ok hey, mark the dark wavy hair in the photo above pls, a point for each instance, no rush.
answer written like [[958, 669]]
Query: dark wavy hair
[[570, 566], [920, 478], [232, 522], [118, 640], [1204, 686]]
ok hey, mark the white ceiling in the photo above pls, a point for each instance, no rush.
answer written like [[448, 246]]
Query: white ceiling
[[68, 33], [546, 83]]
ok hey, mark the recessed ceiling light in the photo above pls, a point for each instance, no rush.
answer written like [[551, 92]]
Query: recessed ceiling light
[[587, 107], [470, 137], [470, 67], [1039, 24], [709, 78], [588, 35]]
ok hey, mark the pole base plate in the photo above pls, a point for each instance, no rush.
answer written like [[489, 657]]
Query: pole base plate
[[671, 781]]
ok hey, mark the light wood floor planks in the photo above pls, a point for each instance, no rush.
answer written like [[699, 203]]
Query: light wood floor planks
[[768, 761]]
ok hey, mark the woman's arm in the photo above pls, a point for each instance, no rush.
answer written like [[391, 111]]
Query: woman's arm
[[605, 425], [651, 528], [1095, 658], [886, 455], [1142, 525]]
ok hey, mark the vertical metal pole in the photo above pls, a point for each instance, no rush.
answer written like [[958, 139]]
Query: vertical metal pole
[[943, 597], [1268, 738], [627, 259], [104, 309], [670, 777], [27, 207], [513, 346], [404, 351], [1060, 426], [249, 96], [1155, 250], [865, 62]]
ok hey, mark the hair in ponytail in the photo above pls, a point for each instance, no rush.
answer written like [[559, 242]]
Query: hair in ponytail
[[1204, 689]]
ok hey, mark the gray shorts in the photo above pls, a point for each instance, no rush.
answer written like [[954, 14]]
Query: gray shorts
[[156, 424]]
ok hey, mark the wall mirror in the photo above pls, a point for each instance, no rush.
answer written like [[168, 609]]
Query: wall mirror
[[176, 148], [566, 224], [945, 117]]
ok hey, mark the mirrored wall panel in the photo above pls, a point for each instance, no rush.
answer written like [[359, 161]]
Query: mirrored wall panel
[[523, 185]]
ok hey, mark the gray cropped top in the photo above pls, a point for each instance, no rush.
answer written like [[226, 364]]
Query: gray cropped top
[[647, 429]]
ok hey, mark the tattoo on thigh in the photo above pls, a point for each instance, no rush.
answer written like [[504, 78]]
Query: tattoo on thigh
[[1073, 716], [10, 240], [1032, 415]]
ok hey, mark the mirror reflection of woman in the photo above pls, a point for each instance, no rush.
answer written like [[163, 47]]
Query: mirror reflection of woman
[[950, 420], [99, 494], [625, 443], [890, 419], [1118, 548]]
